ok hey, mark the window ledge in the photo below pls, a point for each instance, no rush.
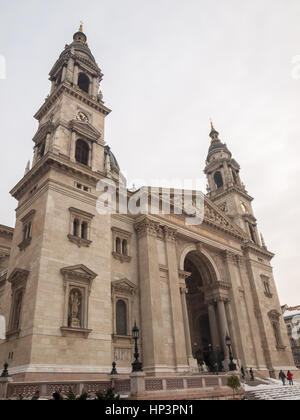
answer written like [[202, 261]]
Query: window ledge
[[13, 333], [83, 332], [122, 337], [24, 244], [121, 257], [79, 241], [281, 347]]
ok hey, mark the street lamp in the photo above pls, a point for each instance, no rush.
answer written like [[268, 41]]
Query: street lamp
[[232, 366], [136, 365]]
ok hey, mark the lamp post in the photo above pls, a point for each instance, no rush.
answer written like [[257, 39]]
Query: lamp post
[[232, 366], [136, 365]]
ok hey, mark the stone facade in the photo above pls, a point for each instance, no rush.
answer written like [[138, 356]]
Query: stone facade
[[291, 316], [75, 281]]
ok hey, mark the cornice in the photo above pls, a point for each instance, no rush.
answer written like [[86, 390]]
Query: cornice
[[45, 164], [75, 92], [251, 247], [231, 189], [6, 231]]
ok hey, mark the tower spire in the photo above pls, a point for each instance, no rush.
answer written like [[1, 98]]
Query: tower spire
[[80, 27]]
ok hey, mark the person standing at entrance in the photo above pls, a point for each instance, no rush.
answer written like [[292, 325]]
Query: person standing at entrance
[[251, 374], [290, 378], [282, 377], [243, 372]]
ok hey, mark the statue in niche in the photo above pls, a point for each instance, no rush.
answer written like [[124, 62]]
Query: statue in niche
[[75, 309]]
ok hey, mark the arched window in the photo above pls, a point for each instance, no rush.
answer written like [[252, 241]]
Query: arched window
[[118, 246], [124, 247], [75, 227], [17, 306], [218, 179], [83, 82], [82, 152], [121, 318], [252, 233], [84, 230], [277, 335]]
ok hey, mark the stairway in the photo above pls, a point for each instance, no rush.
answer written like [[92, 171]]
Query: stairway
[[277, 392]]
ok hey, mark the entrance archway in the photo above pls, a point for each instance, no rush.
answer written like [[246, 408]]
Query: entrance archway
[[203, 325]]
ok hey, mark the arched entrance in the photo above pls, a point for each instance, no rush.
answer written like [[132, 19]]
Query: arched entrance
[[202, 316]]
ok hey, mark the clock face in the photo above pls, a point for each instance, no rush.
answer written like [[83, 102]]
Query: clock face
[[83, 117]]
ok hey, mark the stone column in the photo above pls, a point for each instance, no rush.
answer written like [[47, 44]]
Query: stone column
[[4, 382], [213, 325], [137, 384], [72, 146], [223, 325], [94, 157], [95, 87], [48, 143], [70, 70], [64, 72], [35, 156], [75, 75], [175, 300], [152, 323], [187, 332]]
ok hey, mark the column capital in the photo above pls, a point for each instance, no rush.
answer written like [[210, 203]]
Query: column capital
[[147, 227], [184, 274], [170, 234], [184, 290]]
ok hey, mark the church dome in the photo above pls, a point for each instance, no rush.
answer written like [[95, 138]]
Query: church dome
[[112, 159]]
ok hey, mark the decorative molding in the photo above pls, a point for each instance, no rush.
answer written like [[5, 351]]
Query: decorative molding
[[24, 244], [184, 274], [28, 217], [13, 333], [170, 234], [18, 277], [85, 130], [81, 213], [147, 227], [80, 242], [121, 257], [124, 233], [124, 286], [81, 332], [77, 93], [79, 272], [274, 314]]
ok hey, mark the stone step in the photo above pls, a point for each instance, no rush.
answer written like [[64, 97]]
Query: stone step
[[275, 393]]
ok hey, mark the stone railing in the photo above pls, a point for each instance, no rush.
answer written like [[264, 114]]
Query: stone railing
[[46, 389], [139, 385], [185, 383]]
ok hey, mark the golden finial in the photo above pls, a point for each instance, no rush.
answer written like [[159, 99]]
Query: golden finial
[[81, 27], [212, 125]]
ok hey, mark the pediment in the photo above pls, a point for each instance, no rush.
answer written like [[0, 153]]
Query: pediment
[[124, 285], [216, 217], [78, 271], [213, 217], [85, 129], [43, 131], [18, 275]]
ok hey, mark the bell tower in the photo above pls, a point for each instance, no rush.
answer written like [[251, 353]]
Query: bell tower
[[225, 187], [71, 121], [60, 260]]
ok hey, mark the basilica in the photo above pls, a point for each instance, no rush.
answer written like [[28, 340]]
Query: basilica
[[73, 282]]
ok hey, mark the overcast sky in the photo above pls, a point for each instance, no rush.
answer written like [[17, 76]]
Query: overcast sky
[[170, 66]]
